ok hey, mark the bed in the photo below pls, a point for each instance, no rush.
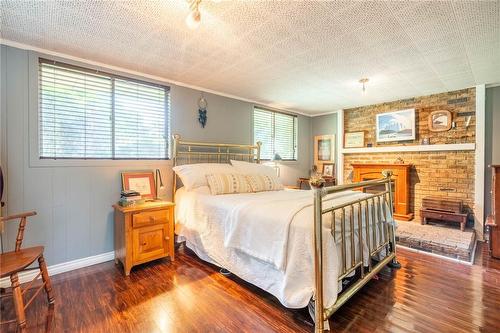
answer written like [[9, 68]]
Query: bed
[[271, 239]]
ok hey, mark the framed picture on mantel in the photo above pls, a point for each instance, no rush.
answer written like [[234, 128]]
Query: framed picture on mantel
[[354, 140], [396, 126]]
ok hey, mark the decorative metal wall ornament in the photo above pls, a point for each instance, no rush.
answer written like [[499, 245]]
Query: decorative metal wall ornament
[[202, 111]]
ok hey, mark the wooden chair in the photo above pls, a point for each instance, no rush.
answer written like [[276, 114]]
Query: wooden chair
[[11, 263]]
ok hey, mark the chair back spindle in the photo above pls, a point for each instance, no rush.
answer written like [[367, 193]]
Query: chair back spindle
[[20, 233]]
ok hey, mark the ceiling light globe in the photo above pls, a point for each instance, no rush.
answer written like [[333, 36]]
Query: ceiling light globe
[[193, 20]]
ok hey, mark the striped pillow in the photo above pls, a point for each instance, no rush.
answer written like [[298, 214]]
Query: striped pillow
[[260, 183], [228, 183]]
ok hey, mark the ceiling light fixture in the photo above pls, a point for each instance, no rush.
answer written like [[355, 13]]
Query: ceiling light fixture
[[193, 19], [364, 81]]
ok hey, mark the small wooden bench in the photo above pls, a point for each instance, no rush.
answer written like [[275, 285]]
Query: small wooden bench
[[443, 209]]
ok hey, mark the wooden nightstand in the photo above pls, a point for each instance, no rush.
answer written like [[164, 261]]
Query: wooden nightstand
[[143, 233]]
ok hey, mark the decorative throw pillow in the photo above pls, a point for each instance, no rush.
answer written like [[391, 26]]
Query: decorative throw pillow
[[260, 183], [228, 183]]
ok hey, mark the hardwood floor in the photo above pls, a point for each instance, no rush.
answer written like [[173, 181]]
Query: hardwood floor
[[428, 294]]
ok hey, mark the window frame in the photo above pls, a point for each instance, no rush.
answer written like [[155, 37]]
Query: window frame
[[33, 143], [295, 130]]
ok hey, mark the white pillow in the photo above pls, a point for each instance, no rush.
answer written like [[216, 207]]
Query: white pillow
[[202, 190], [248, 168], [195, 175]]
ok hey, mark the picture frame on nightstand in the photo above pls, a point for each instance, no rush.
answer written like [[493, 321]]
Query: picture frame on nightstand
[[140, 181]]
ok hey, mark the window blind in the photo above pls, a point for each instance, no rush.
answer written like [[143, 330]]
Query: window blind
[[277, 132], [86, 114], [139, 121]]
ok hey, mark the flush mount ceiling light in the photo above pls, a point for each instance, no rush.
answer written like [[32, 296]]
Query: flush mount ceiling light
[[194, 17], [364, 81]]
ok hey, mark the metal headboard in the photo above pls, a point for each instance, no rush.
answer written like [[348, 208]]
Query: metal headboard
[[188, 152]]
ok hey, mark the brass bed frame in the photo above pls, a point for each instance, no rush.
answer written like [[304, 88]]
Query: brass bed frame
[[381, 249]]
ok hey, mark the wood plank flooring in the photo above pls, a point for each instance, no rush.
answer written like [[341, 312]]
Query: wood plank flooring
[[427, 295]]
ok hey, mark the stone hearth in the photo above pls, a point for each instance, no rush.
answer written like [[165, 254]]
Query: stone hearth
[[445, 240]]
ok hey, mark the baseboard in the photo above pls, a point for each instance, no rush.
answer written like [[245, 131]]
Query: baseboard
[[62, 267]]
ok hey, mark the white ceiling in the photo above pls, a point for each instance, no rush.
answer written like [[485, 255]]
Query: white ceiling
[[303, 56]]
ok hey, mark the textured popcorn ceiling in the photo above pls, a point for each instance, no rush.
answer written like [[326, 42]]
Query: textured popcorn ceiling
[[304, 56]]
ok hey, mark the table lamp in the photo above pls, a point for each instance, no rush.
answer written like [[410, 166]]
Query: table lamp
[[276, 159], [158, 177]]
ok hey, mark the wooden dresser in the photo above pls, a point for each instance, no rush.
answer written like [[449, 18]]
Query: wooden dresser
[[493, 221], [143, 233]]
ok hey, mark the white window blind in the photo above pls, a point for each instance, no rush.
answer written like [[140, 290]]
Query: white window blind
[[277, 132], [86, 114]]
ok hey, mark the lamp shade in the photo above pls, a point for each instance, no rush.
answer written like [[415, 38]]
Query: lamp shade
[[276, 157]]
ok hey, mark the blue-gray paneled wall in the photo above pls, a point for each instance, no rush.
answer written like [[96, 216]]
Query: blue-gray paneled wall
[[326, 125], [75, 219]]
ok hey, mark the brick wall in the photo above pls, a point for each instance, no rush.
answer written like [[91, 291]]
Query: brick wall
[[449, 174], [363, 118]]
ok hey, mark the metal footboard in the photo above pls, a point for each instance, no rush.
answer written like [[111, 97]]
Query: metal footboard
[[377, 233]]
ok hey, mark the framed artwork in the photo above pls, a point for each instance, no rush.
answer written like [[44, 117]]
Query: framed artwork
[[354, 140], [324, 149], [396, 126], [440, 121], [140, 181], [328, 169]]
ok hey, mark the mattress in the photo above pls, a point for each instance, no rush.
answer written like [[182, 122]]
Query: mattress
[[201, 221]]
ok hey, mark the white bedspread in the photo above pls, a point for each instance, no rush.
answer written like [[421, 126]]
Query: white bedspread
[[202, 219], [260, 226]]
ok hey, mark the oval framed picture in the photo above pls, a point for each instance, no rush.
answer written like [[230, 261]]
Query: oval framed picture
[[440, 121]]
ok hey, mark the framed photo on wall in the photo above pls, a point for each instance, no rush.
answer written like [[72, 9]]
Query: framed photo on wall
[[354, 140], [140, 181], [396, 126], [324, 149]]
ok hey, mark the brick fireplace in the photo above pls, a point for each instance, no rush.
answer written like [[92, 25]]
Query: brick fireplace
[[448, 173]]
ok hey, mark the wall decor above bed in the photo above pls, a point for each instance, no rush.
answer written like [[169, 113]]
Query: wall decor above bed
[[202, 111], [396, 126]]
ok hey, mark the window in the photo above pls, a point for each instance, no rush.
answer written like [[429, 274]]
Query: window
[[277, 132], [87, 114]]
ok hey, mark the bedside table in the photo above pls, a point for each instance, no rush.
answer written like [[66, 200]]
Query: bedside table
[[143, 233]]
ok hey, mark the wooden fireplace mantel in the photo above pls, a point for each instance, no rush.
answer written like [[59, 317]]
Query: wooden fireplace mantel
[[401, 176]]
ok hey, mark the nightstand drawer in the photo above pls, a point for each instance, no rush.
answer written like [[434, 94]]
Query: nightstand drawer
[[149, 218], [150, 243]]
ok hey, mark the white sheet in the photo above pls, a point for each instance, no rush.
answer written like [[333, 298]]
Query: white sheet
[[201, 220]]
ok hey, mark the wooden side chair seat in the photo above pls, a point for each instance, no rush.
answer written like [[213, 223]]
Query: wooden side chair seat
[[12, 263]]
